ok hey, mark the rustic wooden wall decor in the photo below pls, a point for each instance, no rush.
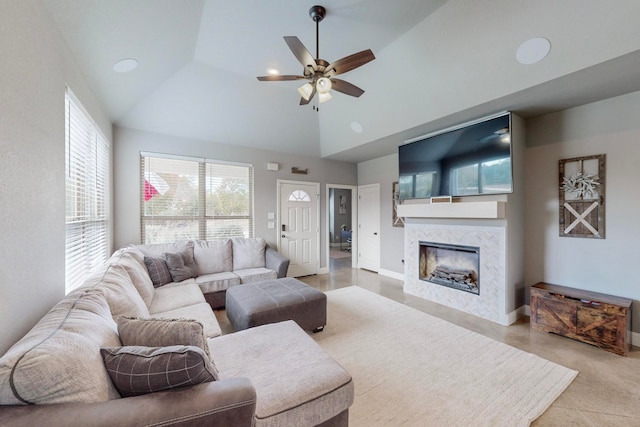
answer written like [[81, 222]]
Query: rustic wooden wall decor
[[582, 197], [398, 221]]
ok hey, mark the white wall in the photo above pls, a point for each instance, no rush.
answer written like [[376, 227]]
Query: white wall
[[384, 171], [35, 68], [129, 143], [607, 265]]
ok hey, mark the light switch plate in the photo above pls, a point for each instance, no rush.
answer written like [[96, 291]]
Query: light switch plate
[[271, 224], [271, 215]]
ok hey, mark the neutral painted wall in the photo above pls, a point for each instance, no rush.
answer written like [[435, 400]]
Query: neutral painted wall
[[35, 68], [607, 265], [384, 171], [129, 143]]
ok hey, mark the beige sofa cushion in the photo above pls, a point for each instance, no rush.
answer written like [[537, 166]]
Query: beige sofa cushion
[[59, 360], [116, 286], [217, 281], [200, 312], [138, 275], [158, 250], [248, 253], [213, 256], [252, 275], [172, 297]]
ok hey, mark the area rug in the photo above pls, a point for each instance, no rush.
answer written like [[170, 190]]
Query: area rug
[[413, 369]]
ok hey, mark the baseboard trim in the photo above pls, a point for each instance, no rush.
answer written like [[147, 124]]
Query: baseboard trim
[[516, 314], [635, 339], [392, 274], [323, 270]]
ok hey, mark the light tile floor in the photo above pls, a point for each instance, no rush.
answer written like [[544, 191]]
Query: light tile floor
[[606, 392]]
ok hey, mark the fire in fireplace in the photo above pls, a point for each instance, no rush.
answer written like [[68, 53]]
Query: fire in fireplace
[[454, 266]]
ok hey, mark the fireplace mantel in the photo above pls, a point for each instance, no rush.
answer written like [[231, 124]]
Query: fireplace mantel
[[492, 209]]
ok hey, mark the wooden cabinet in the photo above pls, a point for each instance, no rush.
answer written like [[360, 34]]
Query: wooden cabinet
[[598, 319]]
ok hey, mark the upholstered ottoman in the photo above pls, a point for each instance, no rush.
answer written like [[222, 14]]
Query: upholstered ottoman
[[297, 383], [276, 300]]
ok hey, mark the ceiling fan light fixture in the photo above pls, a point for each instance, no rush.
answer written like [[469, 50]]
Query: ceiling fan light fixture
[[323, 85], [305, 91], [324, 97], [318, 72]]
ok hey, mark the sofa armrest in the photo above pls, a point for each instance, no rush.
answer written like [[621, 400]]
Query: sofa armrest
[[229, 402], [274, 260]]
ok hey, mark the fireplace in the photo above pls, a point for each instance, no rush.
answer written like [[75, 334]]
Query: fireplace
[[488, 241], [453, 266]]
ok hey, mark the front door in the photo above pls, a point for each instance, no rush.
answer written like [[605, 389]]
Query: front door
[[369, 227], [299, 234]]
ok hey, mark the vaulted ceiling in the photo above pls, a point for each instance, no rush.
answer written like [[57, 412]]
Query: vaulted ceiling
[[438, 63]]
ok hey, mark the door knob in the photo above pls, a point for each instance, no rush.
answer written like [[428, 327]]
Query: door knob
[[283, 236], [375, 234]]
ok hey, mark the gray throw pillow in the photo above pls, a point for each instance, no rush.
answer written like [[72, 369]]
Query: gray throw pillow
[[158, 271], [137, 370], [150, 332], [182, 265]]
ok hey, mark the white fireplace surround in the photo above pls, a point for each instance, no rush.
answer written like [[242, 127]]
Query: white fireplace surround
[[490, 304]]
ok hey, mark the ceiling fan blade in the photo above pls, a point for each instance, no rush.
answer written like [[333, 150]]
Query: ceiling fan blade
[[306, 101], [346, 87], [300, 52], [350, 62], [278, 78]]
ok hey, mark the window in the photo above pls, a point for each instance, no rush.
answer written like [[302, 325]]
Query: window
[[300, 196], [186, 198], [87, 194]]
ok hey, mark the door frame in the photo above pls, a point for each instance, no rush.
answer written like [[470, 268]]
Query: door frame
[[354, 223], [279, 183]]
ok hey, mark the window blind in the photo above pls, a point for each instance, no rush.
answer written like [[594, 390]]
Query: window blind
[[87, 195], [194, 198]]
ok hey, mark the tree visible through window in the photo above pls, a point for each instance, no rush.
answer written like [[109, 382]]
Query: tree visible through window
[[195, 199]]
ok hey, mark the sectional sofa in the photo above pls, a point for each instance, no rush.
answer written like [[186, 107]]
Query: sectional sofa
[[219, 264], [80, 364]]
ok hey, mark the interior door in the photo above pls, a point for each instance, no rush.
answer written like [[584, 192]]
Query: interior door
[[369, 227], [299, 234]]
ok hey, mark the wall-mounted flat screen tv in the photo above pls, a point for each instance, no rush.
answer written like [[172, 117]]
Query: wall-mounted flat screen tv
[[472, 159]]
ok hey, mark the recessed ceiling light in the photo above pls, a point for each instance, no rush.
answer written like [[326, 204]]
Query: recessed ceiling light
[[273, 71], [125, 65], [533, 50], [356, 127]]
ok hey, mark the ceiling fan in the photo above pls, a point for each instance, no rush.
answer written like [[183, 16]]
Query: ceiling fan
[[320, 73]]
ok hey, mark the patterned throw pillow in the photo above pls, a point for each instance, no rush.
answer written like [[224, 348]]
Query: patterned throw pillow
[[158, 271], [139, 370], [182, 265]]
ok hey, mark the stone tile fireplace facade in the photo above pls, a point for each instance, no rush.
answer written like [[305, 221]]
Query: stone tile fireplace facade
[[488, 300]]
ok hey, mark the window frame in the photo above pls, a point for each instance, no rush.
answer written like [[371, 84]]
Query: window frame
[[202, 216]]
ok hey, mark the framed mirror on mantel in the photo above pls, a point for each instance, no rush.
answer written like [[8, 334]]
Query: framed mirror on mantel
[[582, 196]]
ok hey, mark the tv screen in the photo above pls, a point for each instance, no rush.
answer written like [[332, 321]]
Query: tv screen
[[469, 160]]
